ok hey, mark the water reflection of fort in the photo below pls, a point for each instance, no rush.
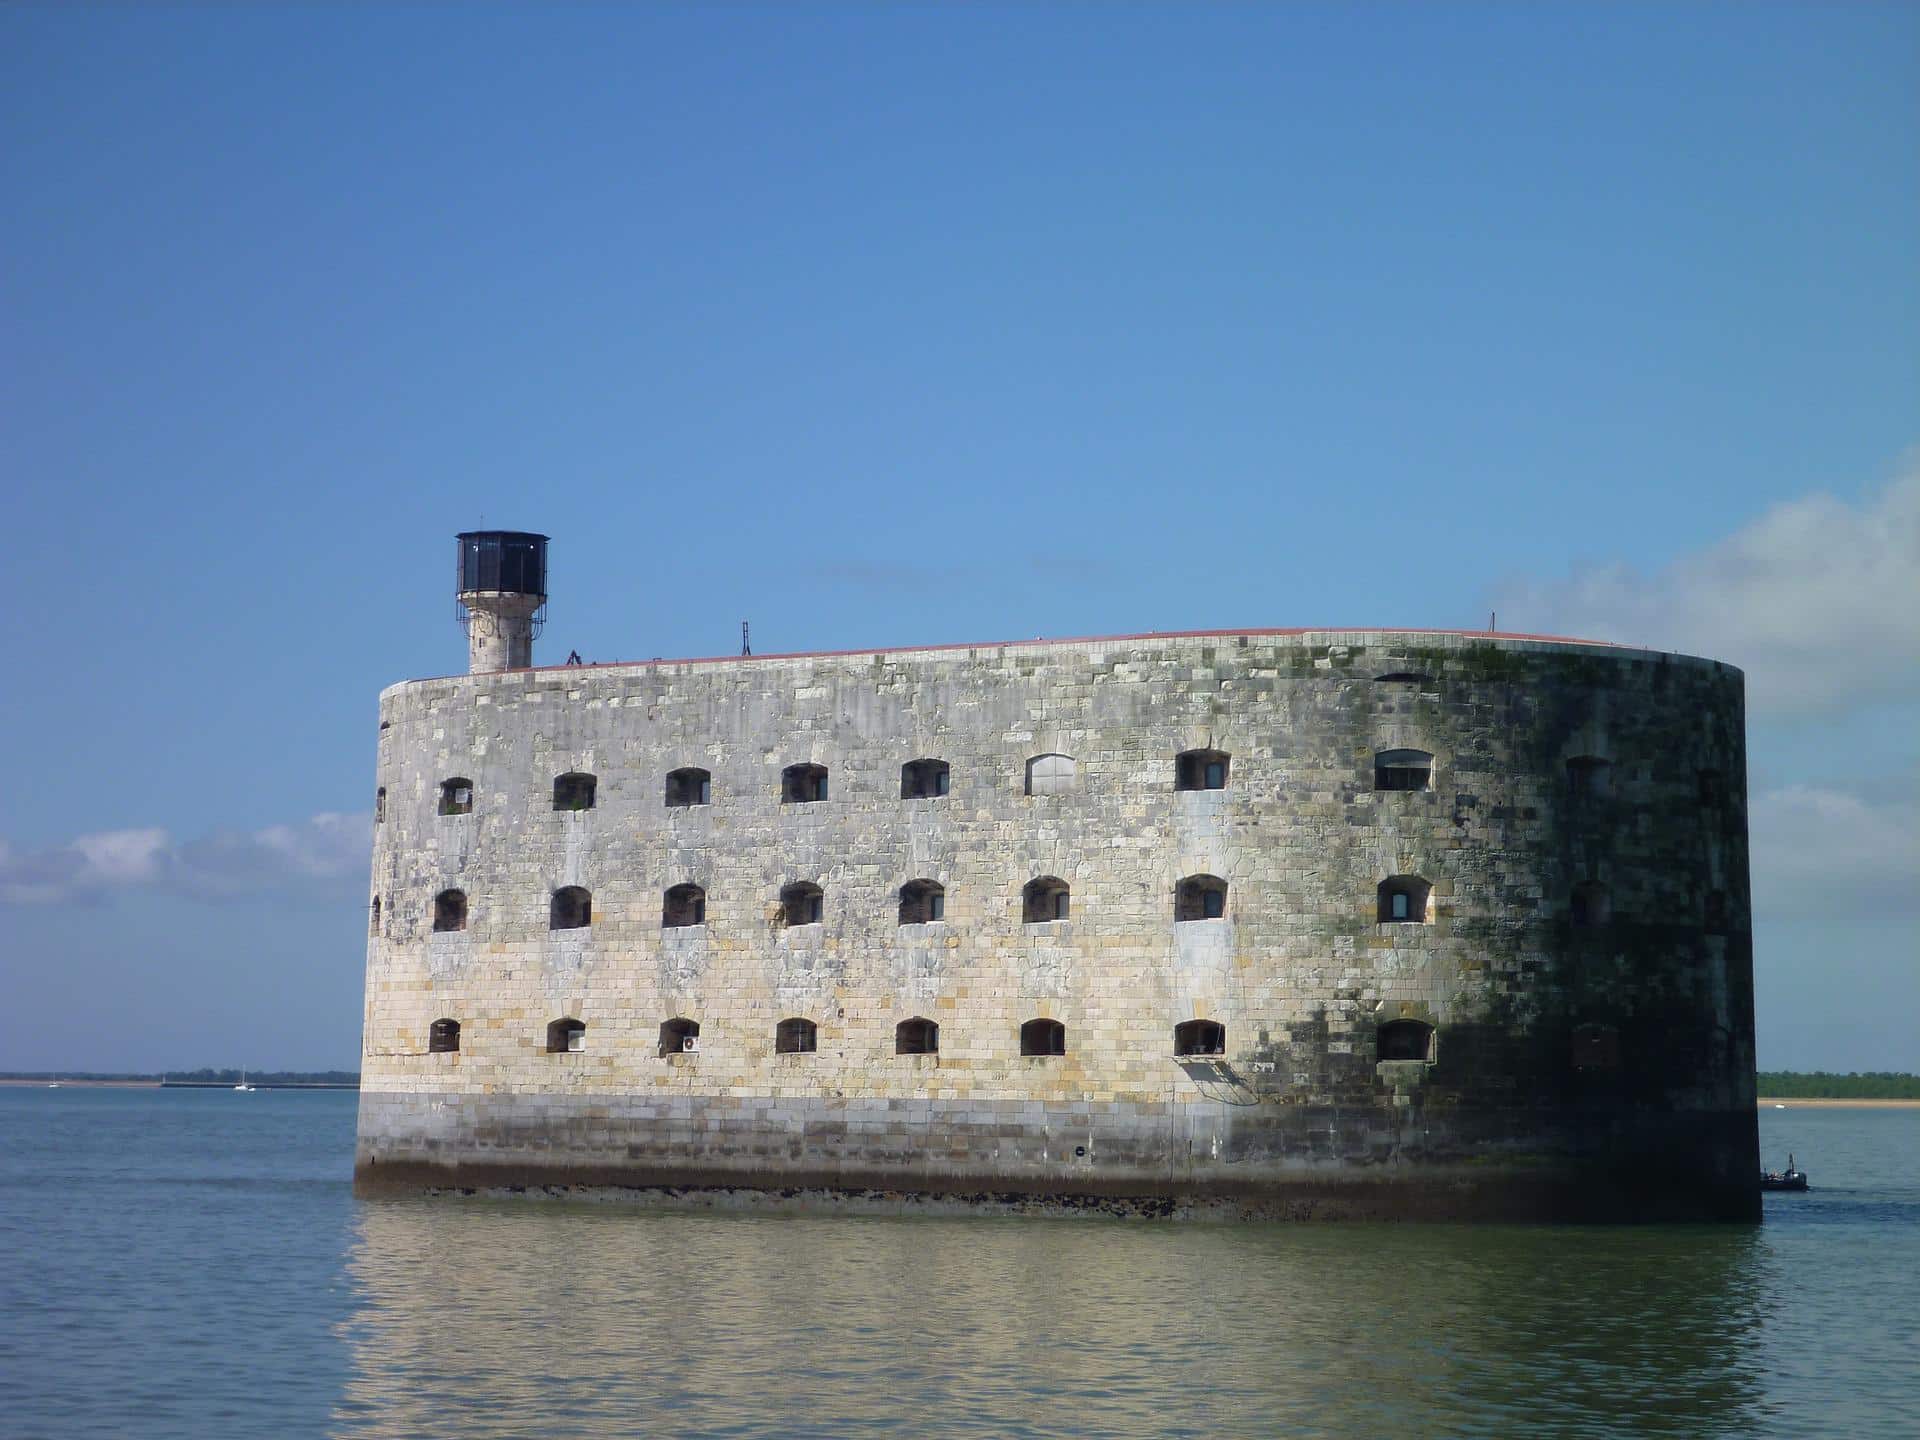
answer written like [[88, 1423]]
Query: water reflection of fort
[[516, 1319]]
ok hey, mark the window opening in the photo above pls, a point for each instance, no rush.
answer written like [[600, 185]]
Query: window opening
[[1046, 898], [685, 905], [796, 1037], [380, 805], [1199, 1037], [922, 902], [373, 919], [1050, 774], [1402, 770], [456, 797], [566, 1037], [443, 1037], [1404, 1040], [679, 1036], [573, 791], [570, 909], [1591, 905], [918, 1036], [689, 787], [924, 779], [801, 903], [450, 910], [1403, 677], [1043, 1037], [1200, 770], [1403, 900], [803, 784], [1200, 897]]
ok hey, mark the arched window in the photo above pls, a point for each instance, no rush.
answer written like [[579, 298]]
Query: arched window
[[1200, 897], [924, 779], [922, 902], [373, 918], [566, 1037], [1403, 900], [803, 784], [690, 786], [573, 791], [443, 1037], [679, 1036], [1050, 775], [1199, 1037], [1589, 777], [1044, 899], [801, 903], [1043, 1037], [1404, 1040], [456, 796], [685, 905], [796, 1037], [1200, 770], [1402, 770], [570, 909], [1591, 905], [450, 910], [918, 1036], [380, 805]]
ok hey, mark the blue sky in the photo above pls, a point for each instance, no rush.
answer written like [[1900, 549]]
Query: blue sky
[[892, 325]]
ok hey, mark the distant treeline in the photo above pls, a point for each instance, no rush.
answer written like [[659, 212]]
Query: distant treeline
[[200, 1077], [1855, 1085]]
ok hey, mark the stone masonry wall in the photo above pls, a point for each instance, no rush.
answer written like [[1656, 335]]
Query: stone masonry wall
[[1568, 1045]]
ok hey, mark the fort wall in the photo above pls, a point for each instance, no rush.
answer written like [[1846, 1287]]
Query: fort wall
[[1566, 1011]]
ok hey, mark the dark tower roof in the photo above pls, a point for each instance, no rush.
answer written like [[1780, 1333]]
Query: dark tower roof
[[512, 561]]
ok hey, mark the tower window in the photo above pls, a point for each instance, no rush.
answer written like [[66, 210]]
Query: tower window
[[1402, 770], [1200, 897], [689, 787], [796, 1037], [1403, 900], [570, 909], [456, 797], [1043, 1037], [1050, 775], [566, 1037], [1404, 1040], [685, 905], [801, 903], [573, 791], [380, 805], [450, 910], [1200, 770], [1403, 677], [803, 784], [373, 918], [924, 779], [918, 1036], [1044, 899], [443, 1037], [1199, 1037], [679, 1036], [922, 902]]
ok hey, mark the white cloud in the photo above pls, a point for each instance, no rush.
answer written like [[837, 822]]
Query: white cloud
[[323, 848], [1817, 600], [1819, 851]]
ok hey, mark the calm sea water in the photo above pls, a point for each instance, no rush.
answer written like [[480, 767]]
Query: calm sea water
[[194, 1264]]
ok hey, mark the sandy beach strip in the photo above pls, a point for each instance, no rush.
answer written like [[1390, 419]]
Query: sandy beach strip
[[1794, 1104]]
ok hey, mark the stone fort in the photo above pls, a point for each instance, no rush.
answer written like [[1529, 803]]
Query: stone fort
[[1264, 923]]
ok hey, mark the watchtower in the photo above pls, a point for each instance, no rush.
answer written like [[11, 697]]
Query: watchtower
[[502, 590]]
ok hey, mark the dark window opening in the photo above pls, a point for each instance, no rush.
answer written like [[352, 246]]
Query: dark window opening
[[1591, 906], [1044, 899], [1402, 770], [1717, 914], [685, 905], [1403, 677], [570, 909], [1200, 897], [373, 919], [801, 903], [1050, 774], [1405, 1040], [456, 797], [1200, 770], [450, 910], [679, 1036], [924, 779], [796, 1037], [1589, 777], [1596, 1047], [566, 1037], [922, 902], [689, 787], [573, 791], [917, 1036], [1403, 900], [1199, 1037], [803, 784], [380, 805], [1043, 1037], [443, 1037]]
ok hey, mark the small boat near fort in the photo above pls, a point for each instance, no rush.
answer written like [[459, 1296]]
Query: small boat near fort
[[1791, 1178]]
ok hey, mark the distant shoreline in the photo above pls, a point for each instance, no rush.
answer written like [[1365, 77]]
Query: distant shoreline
[[1792, 1101], [50, 1084]]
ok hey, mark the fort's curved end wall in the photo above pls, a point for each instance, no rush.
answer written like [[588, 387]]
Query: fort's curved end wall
[[1584, 961]]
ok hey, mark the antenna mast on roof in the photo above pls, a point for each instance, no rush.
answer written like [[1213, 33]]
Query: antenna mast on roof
[[745, 647]]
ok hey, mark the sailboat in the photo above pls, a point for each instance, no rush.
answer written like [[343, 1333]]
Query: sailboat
[[243, 1083]]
